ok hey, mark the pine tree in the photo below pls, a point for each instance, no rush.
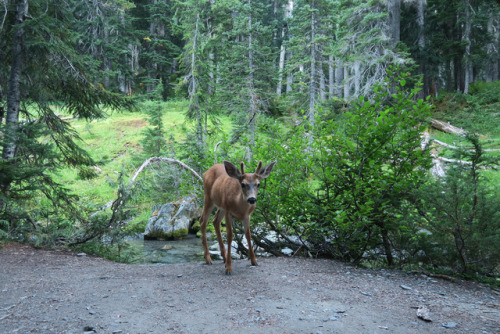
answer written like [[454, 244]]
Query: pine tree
[[246, 66], [44, 70]]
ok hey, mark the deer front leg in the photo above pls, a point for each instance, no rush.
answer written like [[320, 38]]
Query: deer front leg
[[229, 232], [217, 220], [251, 254], [207, 209]]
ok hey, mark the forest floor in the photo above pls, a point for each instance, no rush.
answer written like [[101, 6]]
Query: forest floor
[[63, 292]]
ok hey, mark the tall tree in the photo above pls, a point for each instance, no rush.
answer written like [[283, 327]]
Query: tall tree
[[44, 70]]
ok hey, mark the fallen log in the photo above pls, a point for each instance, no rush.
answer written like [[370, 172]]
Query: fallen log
[[448, 128]]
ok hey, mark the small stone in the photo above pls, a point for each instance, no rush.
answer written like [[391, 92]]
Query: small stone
[[81, 254], [450, 324], [423, 313], [404, 287], [180, 275], [366, 293]]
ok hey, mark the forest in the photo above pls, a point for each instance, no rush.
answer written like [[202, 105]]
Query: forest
[[343, 95]]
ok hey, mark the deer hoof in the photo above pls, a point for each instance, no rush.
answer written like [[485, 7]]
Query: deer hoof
[[255, 264], [229, 273]]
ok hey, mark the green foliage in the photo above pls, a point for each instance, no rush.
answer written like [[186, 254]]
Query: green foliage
[[462, 213], [342, 194], [154, 142]]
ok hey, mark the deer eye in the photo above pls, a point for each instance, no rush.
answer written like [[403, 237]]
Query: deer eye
[[258, 185], [243, 185]]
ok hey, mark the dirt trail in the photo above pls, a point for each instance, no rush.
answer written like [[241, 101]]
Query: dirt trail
[[60, 292]]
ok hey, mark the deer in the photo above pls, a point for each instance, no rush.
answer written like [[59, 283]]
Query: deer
[[234, 193]]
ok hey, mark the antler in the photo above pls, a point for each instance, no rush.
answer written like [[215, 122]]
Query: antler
[[242, 168], [257, 171]]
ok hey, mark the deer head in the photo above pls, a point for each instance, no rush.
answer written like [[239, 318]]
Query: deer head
[[249, 182]]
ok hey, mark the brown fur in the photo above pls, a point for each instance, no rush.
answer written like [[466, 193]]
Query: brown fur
[[223, 188]]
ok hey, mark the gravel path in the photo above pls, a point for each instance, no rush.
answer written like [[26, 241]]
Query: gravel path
[[60, 292]]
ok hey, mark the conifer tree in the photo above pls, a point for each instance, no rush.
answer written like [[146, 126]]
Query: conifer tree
[[44, 72]]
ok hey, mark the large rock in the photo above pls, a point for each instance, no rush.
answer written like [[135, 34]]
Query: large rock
[[172, 220]]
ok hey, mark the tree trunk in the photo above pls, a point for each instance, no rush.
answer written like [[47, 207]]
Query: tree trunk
[[347, 84], [279, 88], [252, 95], [339, 77], [322, 84], [387, 246], [466, 38], [14, 95], [492, 69], [312, 83], [421, 45], [289, 75], [394, 9], [331, 77], [357, 78], [14, 89]]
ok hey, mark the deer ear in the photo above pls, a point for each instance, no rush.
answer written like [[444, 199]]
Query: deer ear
[[232, 170], [265, 171]]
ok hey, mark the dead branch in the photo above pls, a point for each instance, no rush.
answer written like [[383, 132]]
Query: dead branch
[[141, 168]]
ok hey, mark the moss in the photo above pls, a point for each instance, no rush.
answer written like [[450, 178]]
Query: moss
[[157, 235], [195, 228], [180, 233], [160, 235]]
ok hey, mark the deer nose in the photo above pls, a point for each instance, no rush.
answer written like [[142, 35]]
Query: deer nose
[[252, 200]]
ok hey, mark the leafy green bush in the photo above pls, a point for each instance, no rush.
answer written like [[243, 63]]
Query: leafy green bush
[[342, 189]]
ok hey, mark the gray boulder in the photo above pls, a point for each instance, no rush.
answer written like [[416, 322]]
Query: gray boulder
[[172, 220]]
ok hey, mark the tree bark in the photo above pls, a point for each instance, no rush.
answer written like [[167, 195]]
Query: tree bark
[[331, 77], [394, 9], [466, 38], [14, 95], [14, 84], [421, 4], [339, 77], [252, 94], [281, 66], [312, 83]]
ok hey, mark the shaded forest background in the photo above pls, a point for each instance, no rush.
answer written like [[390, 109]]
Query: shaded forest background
[[338, 91]]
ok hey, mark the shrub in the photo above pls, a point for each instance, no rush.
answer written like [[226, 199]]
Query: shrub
[[462, 213], [341, 189]]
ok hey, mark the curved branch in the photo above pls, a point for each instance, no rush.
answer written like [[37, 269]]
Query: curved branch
[[141, 168]]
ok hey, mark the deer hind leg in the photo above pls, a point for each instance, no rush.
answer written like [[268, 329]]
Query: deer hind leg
[[217, 220], [251, 254], [207, 209], [229, 232]]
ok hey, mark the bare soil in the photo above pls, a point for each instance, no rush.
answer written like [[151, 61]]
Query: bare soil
[[61, 292]]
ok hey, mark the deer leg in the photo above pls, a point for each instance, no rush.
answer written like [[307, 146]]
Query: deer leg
[[229, 231], [217, 220], [207, 209], [251, 254]]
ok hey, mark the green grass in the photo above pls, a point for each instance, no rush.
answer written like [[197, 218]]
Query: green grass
[[113, 142]]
